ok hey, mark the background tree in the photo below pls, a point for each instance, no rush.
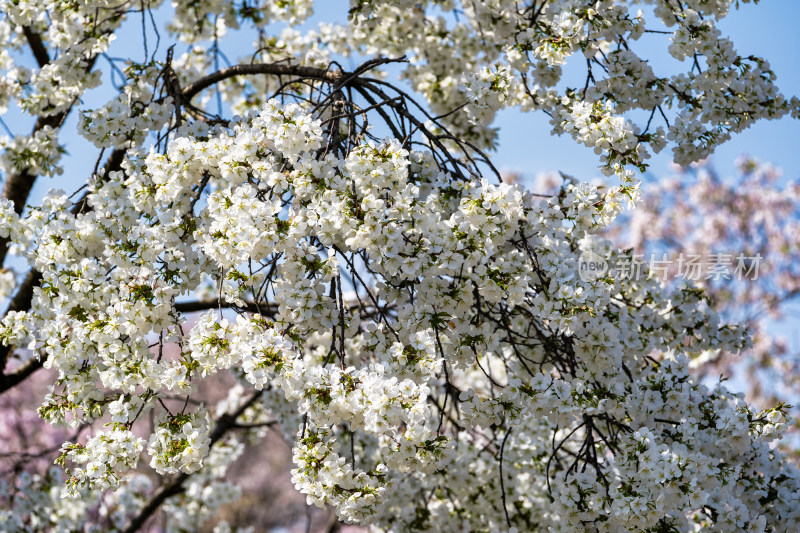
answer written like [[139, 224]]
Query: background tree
[[409, 322], [697, 214]]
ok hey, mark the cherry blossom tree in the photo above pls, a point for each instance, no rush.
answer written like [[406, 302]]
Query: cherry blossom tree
[[697, 215], [342, 248]]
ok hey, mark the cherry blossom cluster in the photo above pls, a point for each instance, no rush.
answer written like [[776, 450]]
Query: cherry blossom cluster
[[39, 151], [722, 91]]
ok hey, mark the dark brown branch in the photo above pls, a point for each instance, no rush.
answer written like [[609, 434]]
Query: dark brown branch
[[273, 69], [8, 381], [37, 46], [339, 77], [173, 488], [502, 484], [265, 309], [204, 305]]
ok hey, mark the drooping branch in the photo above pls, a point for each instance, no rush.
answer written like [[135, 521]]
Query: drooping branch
[[339, 77], [273, 69]]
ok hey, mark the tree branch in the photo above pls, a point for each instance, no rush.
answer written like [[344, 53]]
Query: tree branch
[[334, 76], [8, 381], [262, 68], [204, 305], [37, 46]]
